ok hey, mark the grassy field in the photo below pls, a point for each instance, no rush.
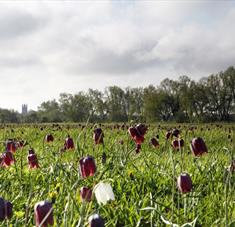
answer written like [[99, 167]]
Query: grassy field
[[144, 183]]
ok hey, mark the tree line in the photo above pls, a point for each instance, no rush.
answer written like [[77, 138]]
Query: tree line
[[210, 99]]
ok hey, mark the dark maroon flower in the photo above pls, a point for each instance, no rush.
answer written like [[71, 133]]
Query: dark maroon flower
[[8, 209], [137, 133], [42, 210], [154, 142], [68, 143], [49, 138], [168, 134], [87, 166], [142, 129], [7, 159], [198, 146], [96, 221], [5, 209], [2, 209], [11, 146], [175, 132], [33, 161], [98, 136], [177, 143], [184, 183], [85, 194]]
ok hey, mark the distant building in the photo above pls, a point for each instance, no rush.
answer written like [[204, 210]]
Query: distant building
[[24, 109]]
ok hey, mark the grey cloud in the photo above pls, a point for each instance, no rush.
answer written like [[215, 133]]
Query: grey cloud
[[16, 62], [15, 23]]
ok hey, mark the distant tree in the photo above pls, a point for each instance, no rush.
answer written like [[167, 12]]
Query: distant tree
[[50, 112], [9, 116], [75, 108], [116, 104], [99, 108]]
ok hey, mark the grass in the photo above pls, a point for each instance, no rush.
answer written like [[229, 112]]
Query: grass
[[144, 184]]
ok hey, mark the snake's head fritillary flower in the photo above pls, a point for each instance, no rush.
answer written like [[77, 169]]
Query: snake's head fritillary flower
[[175, 132], [11, 146], [96, 221], [98, 136], [43, 212], [7, 159], [103, 193], [33, 161], [198, 146], [177, 143], [5, 209], [49, 138], [68, 144], [87, 166], [184, 183], [85, 194]]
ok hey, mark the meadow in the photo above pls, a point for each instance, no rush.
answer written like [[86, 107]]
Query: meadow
[[144, 181]]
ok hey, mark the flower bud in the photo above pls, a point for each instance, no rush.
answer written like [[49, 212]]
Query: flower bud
[[85, 194], [43, 212], [198, 146], [96, 221], [87, 166], [184, 183]]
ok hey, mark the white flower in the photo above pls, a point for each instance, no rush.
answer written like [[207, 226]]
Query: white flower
[[103, 193]]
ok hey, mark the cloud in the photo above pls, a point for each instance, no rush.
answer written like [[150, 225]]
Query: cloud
[[53, 47]]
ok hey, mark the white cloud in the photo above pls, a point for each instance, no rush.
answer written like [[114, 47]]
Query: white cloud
[[53, 47]]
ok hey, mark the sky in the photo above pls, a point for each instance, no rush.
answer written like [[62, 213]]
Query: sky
[[51, 47]]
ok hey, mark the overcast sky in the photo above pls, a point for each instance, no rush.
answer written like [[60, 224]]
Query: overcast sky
[[47, 48]]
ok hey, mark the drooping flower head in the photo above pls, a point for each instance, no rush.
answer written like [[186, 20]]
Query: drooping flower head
[[138, 132], [98, 136], [96, 221], [85, 194], [49, 138], [11, 145], [177, 143], [32, 160], [184, 183], [7, 159], [5, 209], [43, 212], [68, 144], [87, 166], [103, 193], [198, 146]]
